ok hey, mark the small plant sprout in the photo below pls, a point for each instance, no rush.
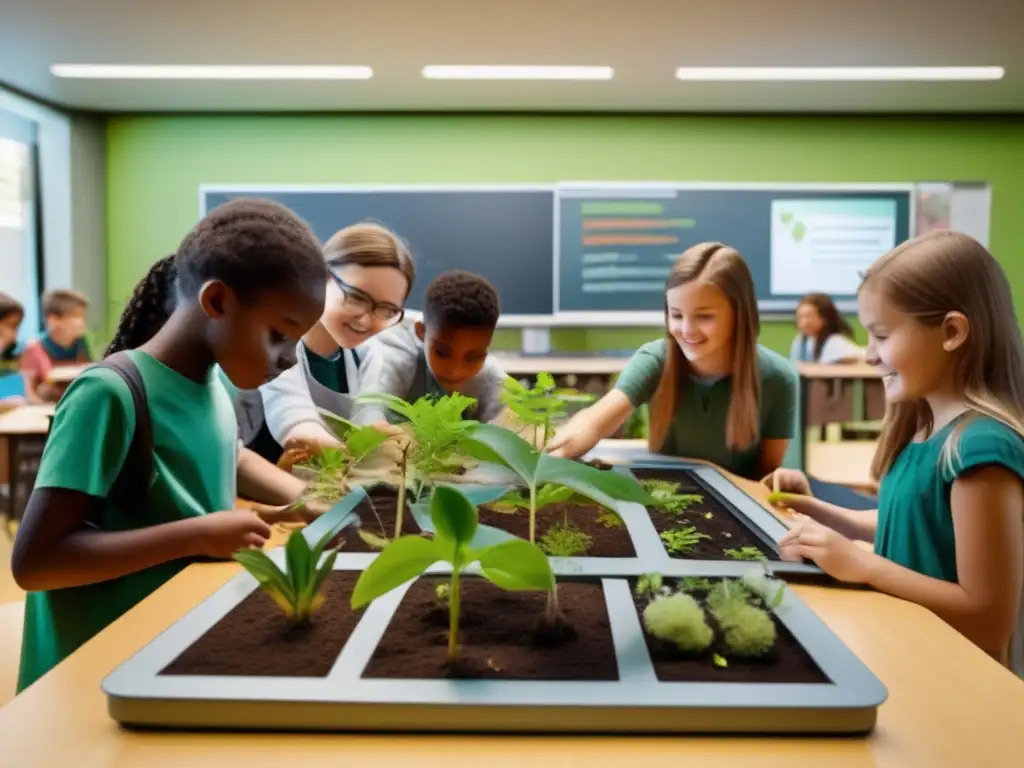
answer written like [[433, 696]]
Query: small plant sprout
[[678, 619], [744, 553], [609, 519], [565, 540], [748, 630], [680, 540], [648, 585], [513, 564], [437, 427], [296, 590], [540, 406], [666, 497], [771, 591]]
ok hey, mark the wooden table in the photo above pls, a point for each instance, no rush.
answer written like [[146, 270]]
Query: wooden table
[[819, 372], [22, 435], [949, 705], [560, 364]]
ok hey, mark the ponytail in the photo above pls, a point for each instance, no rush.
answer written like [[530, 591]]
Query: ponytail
[[149, 307]]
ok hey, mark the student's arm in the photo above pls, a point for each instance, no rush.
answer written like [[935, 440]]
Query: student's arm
[[387, 367], [487, 388], [635, 386], [261, 481], [290, 413], [859, 525], [31, 370], [988, 525], [780, 391], [84, 452], [839, 349]]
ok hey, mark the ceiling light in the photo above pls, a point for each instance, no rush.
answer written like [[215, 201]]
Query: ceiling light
[[826, 74], [209, 72], [459, 72]]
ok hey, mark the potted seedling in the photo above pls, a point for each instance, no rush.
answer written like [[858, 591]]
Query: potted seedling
[[540, 406], [512, 564], [296, 588], [665, 496]]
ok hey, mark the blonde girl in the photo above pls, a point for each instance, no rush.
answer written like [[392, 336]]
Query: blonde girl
[[948, 533], [714, 392]]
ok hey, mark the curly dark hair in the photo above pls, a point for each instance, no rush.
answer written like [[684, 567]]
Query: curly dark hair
[[462, 300], [250, 244]]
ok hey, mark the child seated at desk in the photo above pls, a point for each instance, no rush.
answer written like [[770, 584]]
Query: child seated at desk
[[825, 336], [12, 384], [445, 352], [62, 344]]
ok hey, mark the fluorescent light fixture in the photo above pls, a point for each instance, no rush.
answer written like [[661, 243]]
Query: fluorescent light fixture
[[836, 74], [488, 72], [208, 72]]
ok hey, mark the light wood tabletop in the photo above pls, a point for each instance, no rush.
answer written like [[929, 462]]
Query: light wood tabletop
[[27, 420], [837, 371], [557, 364], [949, 705]]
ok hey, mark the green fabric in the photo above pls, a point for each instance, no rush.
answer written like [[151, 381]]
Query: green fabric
[[915, 521], [698, 430], [194, 468], [328, 371]]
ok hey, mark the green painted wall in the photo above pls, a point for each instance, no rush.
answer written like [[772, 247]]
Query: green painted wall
[[155, 166]]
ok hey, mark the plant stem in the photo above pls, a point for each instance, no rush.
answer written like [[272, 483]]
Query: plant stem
[[453, 615], [552, 606], [400, 512], [533, 513]]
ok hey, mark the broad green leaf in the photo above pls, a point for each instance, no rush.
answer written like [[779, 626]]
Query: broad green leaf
[[453, 515], [362, 441], [598, 485], [552, 493], [297, 558], [339, 425], [373, 539], [545, 381], [325, 570], [405, 558], [506, 447], [516, 565], [396, 404], [265, 571]]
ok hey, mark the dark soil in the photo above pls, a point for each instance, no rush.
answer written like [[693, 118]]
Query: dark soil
[[787, 662], [255, 638], [385, 501], [606, 541], [726, 529], [499, 635]]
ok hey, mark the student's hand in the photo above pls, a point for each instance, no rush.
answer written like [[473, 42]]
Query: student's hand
[[573, 440], [389, 429], [835, 554], [788, 481], [221, 534]]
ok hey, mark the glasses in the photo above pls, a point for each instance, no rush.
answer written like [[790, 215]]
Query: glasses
[[355, 299]]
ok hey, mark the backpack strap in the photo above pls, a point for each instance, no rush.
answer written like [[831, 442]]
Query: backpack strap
[[133, 479]]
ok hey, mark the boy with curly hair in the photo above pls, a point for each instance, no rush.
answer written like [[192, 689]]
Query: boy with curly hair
[[446, 351]]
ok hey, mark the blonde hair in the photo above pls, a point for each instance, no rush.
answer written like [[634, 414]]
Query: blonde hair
[[367, 244], [723, 267], [927, 278]]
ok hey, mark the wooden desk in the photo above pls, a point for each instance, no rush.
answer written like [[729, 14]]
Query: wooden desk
[[22, 434], [949, 705], [65, 374], [810, 374], [847, 463], [579, 365]]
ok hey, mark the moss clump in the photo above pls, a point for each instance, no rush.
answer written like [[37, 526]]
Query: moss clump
[[678, 619], [746, 629]]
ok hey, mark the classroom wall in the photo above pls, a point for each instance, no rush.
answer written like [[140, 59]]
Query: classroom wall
[[156, 164]]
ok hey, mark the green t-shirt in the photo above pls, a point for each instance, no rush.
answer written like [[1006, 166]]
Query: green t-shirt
[[328, 371], [915, 520], [194, 469], [698, 431]]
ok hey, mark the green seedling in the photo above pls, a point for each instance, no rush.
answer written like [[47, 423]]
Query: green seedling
[[648, 585], [747, 629], [609, 519], [666, 497], [744, 553], [696, 584], [296, 590], [541, 405], [565, 540], [680, 540], [513, 564], [436, 429], [720, 661], [678, 619]]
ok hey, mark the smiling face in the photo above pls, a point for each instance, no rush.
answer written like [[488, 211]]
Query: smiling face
[[455, 355], [349, 316], [809, 320], [9, 326], [702, 321], [915, 359]]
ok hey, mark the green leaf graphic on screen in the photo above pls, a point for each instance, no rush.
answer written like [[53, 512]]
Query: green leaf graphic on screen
[[799, 230], [786, 217]]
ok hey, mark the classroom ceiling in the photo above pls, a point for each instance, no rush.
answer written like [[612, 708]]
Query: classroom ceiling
[[643, 40]]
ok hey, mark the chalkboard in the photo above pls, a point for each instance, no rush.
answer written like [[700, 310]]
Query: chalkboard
[[502, 233], [616, 243]]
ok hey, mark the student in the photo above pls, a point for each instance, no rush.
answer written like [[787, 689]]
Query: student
[[371, 273], [62, 344], [249, 281], [12, 389], [445, 352], [714, 392], [948, 533], [825, 336]]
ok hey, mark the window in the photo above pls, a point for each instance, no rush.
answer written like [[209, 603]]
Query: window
[[19, 251]]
